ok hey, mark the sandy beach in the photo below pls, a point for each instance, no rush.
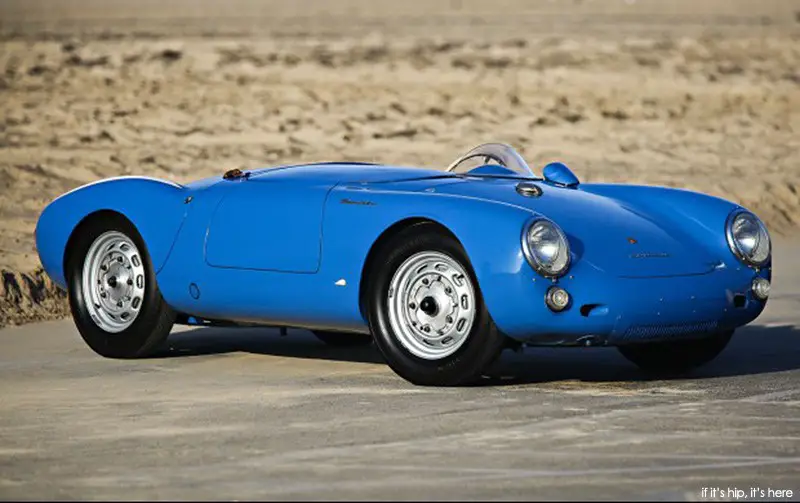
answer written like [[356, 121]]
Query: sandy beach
[[703, 95]]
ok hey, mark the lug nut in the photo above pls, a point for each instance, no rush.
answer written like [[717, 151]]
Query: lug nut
[[412, 306]]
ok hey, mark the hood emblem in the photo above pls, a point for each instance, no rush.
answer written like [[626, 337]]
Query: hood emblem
[[364, 202], [632, 241], [650, 255]]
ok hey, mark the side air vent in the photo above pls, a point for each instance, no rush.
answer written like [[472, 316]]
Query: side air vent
[[593, 310]]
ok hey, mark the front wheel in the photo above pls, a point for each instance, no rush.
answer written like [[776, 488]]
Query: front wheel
[[676, 356], [112, 289], [426, 312]]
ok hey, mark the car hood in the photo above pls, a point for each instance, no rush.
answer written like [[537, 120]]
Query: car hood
[[613, 235]]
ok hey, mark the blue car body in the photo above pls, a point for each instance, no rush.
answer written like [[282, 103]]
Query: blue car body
[[290, 245]]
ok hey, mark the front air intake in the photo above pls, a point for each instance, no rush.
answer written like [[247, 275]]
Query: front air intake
[[638, 332]]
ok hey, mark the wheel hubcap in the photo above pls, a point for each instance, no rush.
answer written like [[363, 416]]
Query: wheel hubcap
[[431, 304], [113, 281]]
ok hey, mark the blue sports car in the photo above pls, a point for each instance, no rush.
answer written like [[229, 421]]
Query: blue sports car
[[442, 269]]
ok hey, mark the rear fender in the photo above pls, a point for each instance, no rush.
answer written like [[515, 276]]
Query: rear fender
[[154, 207]]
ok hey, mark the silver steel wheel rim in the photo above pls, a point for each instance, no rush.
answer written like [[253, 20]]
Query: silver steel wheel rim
[[431, 304], [113, 281]]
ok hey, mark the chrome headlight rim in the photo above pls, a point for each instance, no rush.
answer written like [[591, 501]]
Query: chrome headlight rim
[[530, 256], [734, 245]]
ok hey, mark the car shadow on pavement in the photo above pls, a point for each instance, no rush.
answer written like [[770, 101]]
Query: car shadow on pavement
[[755, 349], [266, 341]]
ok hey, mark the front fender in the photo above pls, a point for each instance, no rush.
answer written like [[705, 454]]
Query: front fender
[[155, 208], [489, 231]]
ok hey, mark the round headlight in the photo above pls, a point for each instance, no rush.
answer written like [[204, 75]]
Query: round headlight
[[748, 238], [546, 248]]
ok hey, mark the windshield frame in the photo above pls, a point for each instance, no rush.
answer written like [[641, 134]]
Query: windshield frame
[[501, 153]]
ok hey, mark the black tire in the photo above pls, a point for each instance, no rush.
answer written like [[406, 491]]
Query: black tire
[[155, 319], [676, 357], [343, 339], [482, 345]]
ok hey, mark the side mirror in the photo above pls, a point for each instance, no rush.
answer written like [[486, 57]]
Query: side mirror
[[559, 174]]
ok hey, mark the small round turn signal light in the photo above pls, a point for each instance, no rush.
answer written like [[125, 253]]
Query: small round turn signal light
[[760, 288], [557, 299]]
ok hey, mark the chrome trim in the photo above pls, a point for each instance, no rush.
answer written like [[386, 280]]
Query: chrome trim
[[528, 189], [733, 246], [531, 257], [501, 153]]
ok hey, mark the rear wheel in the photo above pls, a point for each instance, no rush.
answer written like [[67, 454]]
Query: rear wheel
[[676, 356], [426, 312], [113, 296], [342, 339]]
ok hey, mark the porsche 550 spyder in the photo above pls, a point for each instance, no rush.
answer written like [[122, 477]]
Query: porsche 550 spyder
[[442, 269]]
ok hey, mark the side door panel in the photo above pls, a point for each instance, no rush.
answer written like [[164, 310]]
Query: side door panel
[[268, 225]]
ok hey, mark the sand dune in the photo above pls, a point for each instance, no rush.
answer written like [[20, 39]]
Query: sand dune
[[701, 95]]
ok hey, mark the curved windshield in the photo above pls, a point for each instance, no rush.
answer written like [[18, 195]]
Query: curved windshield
[[492, 153]]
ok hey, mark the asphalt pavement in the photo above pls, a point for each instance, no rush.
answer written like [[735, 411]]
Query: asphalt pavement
[[247, 414]]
